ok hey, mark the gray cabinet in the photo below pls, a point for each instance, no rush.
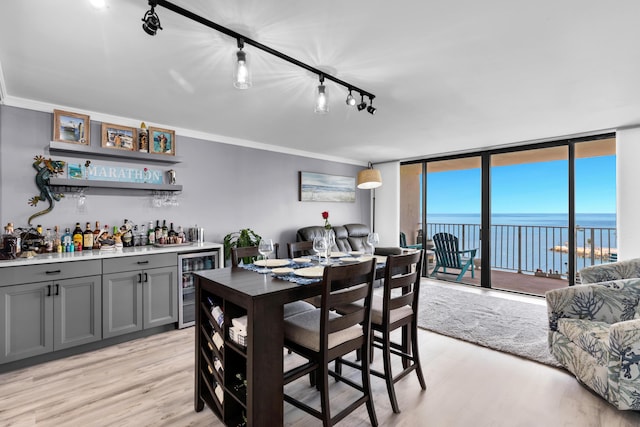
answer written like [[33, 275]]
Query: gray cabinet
[[139, 292], [48, 315]]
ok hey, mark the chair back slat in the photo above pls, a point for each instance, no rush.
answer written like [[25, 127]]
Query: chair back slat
[[248, 251], [343, 285], [298, 249], [409, 283]]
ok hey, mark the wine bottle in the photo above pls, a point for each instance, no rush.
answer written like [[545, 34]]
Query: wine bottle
[[172, 235], [96, 236], [87, 241], [158, 231], [151, 234], [77, 237], [127, 234], [165, 230]]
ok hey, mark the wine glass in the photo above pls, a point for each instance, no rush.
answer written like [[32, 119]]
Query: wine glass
[[373, 239], [320, 247], [265, 247]]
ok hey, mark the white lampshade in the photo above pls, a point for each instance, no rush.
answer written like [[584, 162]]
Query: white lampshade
[[369, 178]]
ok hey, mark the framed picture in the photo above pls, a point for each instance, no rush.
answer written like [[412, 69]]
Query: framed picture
[[320, 187], [119, 137], [71, 127], [143, 140], [162, 141]]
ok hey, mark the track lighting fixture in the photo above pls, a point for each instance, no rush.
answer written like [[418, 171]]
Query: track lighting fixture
[[371, 109], [151, 21], [362, 104], [322, 100], [242, 72], [351, 101]]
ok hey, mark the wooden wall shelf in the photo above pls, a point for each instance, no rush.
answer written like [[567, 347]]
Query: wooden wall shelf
[[86, 183], [79, 150]]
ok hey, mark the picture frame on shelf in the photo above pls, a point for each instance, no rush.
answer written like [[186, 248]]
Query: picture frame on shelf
[[162, 141], [119, 137], [74, 128], [320, 187], [143, 139]]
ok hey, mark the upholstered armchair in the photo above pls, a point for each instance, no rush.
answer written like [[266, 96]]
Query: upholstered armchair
[[594, 331]]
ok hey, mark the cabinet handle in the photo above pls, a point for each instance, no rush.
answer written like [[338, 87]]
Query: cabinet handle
[[52, 272], [139, 277], [48, 290], [146, 278], [57, 289], [143, 262]]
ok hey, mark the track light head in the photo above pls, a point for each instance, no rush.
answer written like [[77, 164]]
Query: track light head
[[351, 101], [362, 104], [241, 72], [322, 100], [151, 22]]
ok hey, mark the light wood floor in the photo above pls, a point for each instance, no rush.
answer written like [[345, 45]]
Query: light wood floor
[[149, 382]]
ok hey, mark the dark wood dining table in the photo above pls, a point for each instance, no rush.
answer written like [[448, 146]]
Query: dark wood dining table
[[262, 297]]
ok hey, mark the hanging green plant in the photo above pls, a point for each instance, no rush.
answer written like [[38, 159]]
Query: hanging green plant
[[240, 239]]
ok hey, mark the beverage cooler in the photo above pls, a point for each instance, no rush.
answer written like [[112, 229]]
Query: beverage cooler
[[188, 264]]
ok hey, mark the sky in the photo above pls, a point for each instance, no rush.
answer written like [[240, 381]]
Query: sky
[[527, 188]]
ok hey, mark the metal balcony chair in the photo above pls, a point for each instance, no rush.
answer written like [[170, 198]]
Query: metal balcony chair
[[448, 255]]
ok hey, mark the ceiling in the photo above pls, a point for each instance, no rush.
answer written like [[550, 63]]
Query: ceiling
[[449, 76]]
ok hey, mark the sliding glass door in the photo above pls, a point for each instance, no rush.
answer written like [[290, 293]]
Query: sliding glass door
[[535, 214]]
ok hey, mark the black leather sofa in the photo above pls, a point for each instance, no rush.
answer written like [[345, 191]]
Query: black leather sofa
[[349, 237]]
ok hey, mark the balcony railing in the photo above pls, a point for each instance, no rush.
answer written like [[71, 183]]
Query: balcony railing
[[532, 248]]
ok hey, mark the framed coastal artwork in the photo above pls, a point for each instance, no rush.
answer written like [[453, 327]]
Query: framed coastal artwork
[[119, 137], [71, 127], [320, 187], [162, 141]]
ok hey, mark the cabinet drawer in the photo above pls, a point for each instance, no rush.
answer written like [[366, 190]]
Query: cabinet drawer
[[46, 272], [139, 262]]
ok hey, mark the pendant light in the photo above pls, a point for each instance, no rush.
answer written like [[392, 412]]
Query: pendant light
[[322, 99], [369, 178], [241, 71]]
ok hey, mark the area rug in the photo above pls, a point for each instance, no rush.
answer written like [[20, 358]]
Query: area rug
[[514, 327]]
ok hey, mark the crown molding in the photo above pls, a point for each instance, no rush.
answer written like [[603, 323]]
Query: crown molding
[[30, 104]]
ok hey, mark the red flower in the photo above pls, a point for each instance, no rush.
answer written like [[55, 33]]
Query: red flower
[[325, 215]]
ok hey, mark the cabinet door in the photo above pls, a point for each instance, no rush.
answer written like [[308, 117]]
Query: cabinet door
[[77, 311], [160, 296], [26, 328], [121, 303]]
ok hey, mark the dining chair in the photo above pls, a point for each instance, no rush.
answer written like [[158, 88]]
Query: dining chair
[[321, 336], [397, 307], [291, 308], [248, 251], [299, 249]]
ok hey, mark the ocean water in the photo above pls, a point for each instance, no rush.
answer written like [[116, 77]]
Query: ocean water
[[540, 242]]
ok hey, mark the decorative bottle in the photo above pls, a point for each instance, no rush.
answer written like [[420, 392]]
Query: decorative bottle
[[96, 236], [77, 237], [87, 241]]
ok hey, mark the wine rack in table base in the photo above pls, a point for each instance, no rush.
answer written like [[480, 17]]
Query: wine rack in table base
[[222, 362]]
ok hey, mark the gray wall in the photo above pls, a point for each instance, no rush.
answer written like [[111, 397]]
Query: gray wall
[[226, 187]]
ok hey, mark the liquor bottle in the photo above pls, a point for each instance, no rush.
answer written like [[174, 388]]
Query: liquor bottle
[[48, 241], [136, 235], [158, 231], [77, 237], [67, 240], [39, 229], [172, 235], [181, 235], [143, 235], [57, 242], [127, 234], [96, 236], [151, 234], [165, 230], [87, 241]]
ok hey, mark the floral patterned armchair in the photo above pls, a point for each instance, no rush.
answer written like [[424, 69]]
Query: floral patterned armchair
[[594, 331]]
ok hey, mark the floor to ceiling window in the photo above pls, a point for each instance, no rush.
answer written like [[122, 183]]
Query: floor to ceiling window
[[547, 210]]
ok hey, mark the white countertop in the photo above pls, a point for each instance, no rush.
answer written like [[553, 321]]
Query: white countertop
[[98, 254]]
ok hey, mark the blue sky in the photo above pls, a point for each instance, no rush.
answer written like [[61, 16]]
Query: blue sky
[[527, 188]]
